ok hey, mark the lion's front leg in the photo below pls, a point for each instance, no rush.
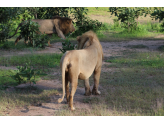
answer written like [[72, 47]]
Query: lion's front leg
[[96, 81], [87, 87], [49, 44]]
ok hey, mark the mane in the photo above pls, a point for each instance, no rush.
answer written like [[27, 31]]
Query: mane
[[91, 33], [61, 18], [64, 26]]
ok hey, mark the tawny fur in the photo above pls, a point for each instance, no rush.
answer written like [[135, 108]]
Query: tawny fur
[[58, 25], [80, 64]]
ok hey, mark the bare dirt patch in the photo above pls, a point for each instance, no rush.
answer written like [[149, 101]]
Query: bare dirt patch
[[49, 108], [109, 48]]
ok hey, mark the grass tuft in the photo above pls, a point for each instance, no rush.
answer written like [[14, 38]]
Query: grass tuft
[[48, 60]]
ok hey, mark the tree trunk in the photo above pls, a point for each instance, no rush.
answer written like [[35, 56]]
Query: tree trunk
[[137, 21], [128, 27], [36, 16]]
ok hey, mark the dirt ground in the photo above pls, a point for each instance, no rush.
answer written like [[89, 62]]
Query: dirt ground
[[48, 109]]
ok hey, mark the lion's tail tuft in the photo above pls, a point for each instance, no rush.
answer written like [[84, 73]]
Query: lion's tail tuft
[[60, 100]]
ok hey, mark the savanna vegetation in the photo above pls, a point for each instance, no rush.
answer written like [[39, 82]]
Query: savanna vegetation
[[134, 83]]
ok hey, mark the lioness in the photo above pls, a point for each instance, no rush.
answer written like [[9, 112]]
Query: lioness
[[80, 64], [59, 25]]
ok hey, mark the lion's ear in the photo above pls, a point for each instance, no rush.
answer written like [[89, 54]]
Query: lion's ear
[[78, 38], [69, 21], [90, 39]]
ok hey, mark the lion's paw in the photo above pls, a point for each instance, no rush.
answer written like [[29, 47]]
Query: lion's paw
[[88, 93], [72, 108], [94, 92]]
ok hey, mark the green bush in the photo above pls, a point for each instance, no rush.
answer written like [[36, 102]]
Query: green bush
[[4, 33], [67, 45], [40, 40], [25, 74], [30, 31], [6, 45], [162, 27], [88, 24], [129, 16]]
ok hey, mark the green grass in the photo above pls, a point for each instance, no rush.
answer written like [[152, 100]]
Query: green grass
[[134, 90], [21, 45], [6, 80], [46, 60], [98, 11], [114, 32], [20, 97], [42, 62], [137, 84], [24, 97], [147, 60]]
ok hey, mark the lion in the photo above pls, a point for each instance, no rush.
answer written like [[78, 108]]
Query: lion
[[80, 64], [59, 25]]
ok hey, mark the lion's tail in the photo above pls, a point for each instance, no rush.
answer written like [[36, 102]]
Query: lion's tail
[[15, 31], [63, 78]]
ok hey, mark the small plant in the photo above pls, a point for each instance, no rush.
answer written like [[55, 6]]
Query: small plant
[[6, 45], [162, 26], [161, 48], [67, 45], [155, 26], [116, 23], [40, 40], [25, 74]]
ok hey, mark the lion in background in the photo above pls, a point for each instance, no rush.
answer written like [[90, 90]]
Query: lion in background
[[59, 25], [80, 64]]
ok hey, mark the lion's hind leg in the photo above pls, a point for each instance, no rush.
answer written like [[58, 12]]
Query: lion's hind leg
[[67, 87], [18, 38], [74, 82], [87, 87], [96, 81]]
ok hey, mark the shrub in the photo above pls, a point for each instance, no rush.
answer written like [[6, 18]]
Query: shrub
[[25, 74], [29, 31], [40, 40], [67, 45], [129, 16], [4, 33], [88, 24]]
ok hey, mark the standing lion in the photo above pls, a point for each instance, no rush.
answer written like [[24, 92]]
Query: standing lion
[[80, 64], [59, 25]]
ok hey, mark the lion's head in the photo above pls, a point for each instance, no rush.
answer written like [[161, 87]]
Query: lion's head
[[86, 39], [65, 24]]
